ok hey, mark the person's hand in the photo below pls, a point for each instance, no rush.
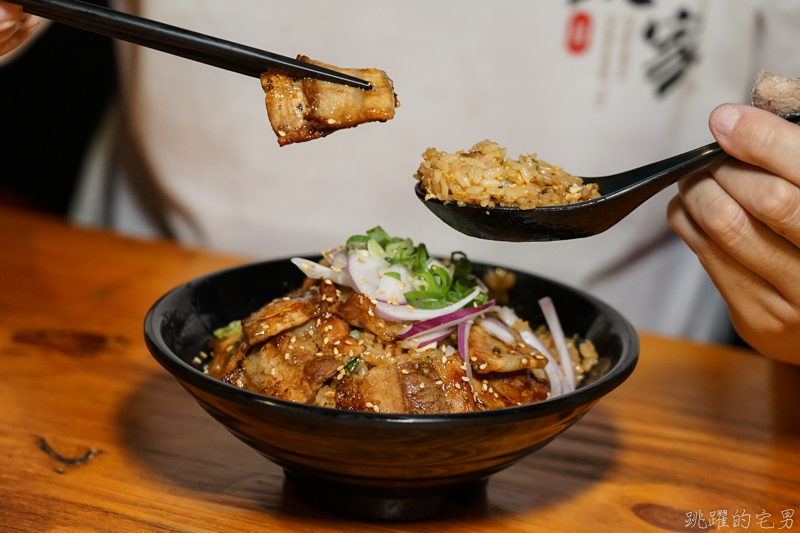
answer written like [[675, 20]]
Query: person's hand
[[742, 219], [15, 26]]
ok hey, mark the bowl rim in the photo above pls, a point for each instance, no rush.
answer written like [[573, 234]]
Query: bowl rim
[[188, 375]]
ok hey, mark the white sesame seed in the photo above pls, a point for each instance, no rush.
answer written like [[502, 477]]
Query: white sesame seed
[[421, 385], [465, 379], [473, 358], [362, 260], [483, 366], [376, 408], [458, 386], [197, 360], [439, 382], [369, 404], [404, 371]]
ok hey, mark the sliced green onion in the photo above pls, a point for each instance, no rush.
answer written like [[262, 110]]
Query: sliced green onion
[[394, 275], [352, 364], [378, 234], [426, 299], [227, 331], [375, 249]]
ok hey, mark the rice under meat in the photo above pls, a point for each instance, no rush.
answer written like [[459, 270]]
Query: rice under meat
[[381, 326], [483, 175]]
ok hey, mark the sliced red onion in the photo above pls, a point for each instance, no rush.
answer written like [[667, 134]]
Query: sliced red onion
[[316, 271], [557, 384], [391, 288], [339, 260], [463, 347], [448, 320], [365, 272], [560, 340], [507, 315], [407, 313], [496, 329], [420, 341]]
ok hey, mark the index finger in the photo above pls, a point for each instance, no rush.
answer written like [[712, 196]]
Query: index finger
[[758, 137]]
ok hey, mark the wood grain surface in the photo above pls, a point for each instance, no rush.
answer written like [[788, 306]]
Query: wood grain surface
[[95, 435]]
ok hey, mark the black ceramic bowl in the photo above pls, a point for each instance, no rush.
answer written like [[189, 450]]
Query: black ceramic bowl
[[375, 465]]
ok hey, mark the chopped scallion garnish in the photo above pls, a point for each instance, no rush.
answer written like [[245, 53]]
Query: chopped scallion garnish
[[227, 331], [437, 284]]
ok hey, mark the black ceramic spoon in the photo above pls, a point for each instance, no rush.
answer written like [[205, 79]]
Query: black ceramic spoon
[[621, 194]]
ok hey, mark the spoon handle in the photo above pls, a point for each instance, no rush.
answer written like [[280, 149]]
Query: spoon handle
[[661, 174]]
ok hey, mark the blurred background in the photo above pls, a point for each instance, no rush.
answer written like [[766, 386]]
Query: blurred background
[[185, 151], [54, 93]]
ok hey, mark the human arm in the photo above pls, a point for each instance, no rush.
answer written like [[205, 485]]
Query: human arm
[[742, 219], [15, 26]]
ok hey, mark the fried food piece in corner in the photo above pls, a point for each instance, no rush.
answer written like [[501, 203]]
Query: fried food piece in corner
[[302, 109], [776, 94]]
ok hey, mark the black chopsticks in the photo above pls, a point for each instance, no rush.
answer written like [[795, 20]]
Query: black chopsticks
[[177, 41]]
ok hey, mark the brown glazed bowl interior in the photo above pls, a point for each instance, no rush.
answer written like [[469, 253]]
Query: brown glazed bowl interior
[[376, 465]]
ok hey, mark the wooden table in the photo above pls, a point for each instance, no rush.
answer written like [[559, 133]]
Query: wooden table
[[697, 428]]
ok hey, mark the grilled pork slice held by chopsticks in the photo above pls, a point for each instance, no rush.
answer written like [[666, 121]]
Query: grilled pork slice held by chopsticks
[[302, 109]]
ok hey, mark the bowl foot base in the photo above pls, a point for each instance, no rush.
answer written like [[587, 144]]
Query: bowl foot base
[[381, 503]]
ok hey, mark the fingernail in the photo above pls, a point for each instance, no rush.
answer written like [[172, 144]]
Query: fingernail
[[725, 120]]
